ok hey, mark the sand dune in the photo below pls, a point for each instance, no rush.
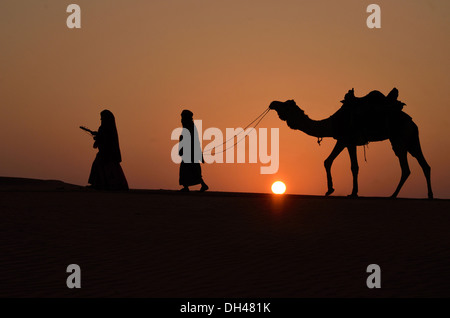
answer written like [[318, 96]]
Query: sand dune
[[25, 184], [170, 244]]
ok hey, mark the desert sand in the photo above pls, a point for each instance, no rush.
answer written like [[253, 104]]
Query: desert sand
[[159, 243]]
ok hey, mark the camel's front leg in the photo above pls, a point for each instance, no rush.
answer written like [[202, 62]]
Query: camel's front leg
[[329, 162], [355, 169]]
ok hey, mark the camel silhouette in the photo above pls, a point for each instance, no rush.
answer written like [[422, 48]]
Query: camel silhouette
[[374, 117]]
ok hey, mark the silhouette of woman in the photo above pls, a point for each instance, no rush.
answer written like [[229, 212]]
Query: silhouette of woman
[[106, 172], [190, 169]]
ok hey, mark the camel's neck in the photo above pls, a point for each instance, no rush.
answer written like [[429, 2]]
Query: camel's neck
[[315, 128]]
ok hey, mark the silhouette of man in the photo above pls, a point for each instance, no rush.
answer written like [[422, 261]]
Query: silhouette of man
[[191, 153]]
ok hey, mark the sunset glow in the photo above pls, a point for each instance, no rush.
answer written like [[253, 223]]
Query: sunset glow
[[226, 61], [278, 187]]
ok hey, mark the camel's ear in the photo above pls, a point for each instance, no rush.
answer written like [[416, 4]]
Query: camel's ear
[[291, 102]]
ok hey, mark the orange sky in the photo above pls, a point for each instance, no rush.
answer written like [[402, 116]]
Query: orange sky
[[225, 61]]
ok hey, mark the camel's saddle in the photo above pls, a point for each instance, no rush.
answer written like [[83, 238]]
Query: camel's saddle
[[374, 99], [364, 119]]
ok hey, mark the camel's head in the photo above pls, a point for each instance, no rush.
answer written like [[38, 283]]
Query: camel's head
[[287, 109]]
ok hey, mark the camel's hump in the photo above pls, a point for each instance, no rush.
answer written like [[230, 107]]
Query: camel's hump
[[374, 99]]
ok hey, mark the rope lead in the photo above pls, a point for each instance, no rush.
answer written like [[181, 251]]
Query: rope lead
[[260, 117]]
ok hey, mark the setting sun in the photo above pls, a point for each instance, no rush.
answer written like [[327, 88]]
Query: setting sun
[[278, 187]]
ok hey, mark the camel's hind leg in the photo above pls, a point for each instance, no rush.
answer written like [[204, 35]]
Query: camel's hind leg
[[416, 151], [354, 168], [402, 157], [329, 162]]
